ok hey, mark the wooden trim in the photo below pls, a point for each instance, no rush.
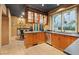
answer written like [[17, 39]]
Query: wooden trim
[[78, 18], [62, 8], [6, 13], [35, 10]]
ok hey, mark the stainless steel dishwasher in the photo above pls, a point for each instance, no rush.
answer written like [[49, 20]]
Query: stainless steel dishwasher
[[48, 35]]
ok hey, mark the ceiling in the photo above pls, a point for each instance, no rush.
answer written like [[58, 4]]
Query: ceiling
[[17, 9]]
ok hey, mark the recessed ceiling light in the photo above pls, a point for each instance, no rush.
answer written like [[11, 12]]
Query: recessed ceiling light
[[21, 16], [23, 13], [58, 4], [42, 4]]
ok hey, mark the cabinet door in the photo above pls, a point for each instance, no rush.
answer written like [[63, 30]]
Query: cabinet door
[[41, 37], [29, 38], [38, 37], [63, 42], [55, 41], [70, 39], [35, 38]]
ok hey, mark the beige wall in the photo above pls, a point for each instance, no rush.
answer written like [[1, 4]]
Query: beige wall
[[0, 23], [9, 15], [2, 11], [13, 26]]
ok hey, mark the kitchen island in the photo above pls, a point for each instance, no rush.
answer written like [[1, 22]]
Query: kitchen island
[[33, 38]]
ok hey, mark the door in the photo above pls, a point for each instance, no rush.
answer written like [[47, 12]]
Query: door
[[5, 30]]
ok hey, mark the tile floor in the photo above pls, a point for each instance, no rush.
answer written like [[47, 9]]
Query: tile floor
[[16, 47]]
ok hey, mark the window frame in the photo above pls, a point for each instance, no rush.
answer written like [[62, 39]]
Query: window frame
[[69, 31], [62, 21], [53, 23]]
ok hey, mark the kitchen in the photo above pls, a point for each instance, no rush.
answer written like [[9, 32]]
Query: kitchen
[[52, 24]]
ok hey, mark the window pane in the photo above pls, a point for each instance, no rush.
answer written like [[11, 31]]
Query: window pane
[[36, 17], [30, 16], [57, 22], [36, 27], [70, 18], [41, 27], [45, 19], [41, 19]]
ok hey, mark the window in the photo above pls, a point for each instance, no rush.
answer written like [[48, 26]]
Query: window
[[41, 19], [36, 18], [30, 16], [69, 20], [41, 27], [65, 21], [35, 27], [57, 22], [45, 19]]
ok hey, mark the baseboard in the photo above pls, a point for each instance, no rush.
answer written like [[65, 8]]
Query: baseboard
[[67, 53], [49, 44]]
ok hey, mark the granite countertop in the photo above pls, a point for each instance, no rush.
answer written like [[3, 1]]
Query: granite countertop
[[32, 32], [50, 32], [73, 49], [69, 34]]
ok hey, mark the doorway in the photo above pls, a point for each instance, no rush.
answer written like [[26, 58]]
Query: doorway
[[5, 30]]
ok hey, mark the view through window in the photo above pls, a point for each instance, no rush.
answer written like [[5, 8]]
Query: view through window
[[65, 21]]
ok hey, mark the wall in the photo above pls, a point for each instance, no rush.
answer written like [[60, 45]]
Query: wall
[[0, 23], [9, 16], [2, 11], [15, 24]]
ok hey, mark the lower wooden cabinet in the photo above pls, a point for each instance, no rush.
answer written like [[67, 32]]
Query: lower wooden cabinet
[[70, 39], [34, 38], [55, 41], [41, 37], [62, 41], [58, 41], [28, 41]]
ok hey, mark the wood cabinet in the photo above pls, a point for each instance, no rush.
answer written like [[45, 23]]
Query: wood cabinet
[[28, 42], [41, 37], [63, 42], [34, 38], [60, 41], [70, 39], [55, 40]]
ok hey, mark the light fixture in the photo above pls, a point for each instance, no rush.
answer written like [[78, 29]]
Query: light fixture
[[58, 4], [42, 4], [21, 16], [23, 13]]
